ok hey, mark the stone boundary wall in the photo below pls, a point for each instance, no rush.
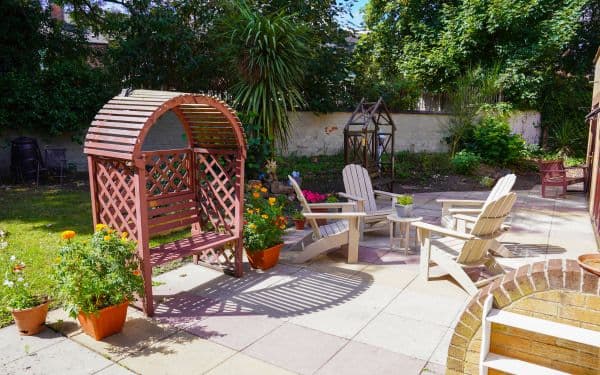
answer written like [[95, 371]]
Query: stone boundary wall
[[312, 134], [557, 290]]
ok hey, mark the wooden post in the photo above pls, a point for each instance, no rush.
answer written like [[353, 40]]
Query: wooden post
[[239, 214], [92, 176], [141, 212]]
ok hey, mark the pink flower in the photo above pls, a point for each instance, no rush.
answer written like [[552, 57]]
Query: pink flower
[[313, 196]]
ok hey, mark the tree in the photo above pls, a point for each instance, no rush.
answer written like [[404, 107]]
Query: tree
[[268, 51], [48, 82]]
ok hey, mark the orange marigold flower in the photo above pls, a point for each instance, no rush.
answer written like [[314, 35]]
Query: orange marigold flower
[[264, 189], [256, 195], [137, 272], [106, 238], [67, 235]]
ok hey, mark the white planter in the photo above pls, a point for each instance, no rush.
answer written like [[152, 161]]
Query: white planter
[[404, 211]]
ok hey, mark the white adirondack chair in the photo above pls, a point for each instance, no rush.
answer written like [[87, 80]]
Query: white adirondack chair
[[452, 207], [343, 232], [456, 251], [357, 183]]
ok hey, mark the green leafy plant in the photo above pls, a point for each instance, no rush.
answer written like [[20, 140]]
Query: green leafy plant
[[331, 198], [96, 274], [486, 181], [297, 215], [264, 220], [465, 162], [18, 293], [269, 51], [404, 200]]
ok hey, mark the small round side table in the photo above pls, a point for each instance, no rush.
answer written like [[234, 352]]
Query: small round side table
[[404, 229]]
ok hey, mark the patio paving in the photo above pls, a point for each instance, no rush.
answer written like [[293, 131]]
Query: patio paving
[[322, 317]]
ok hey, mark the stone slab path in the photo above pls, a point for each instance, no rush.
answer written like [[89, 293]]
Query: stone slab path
[[323, 317]]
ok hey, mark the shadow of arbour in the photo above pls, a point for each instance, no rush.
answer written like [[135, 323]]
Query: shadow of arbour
[[526, 250], [303, 292]]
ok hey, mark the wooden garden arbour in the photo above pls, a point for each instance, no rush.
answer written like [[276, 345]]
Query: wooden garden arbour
[[147, 193]]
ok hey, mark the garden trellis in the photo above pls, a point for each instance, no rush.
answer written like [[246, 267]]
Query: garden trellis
[[148, 193], [369, 141]]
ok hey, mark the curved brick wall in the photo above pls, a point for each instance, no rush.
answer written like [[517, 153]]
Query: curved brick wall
[[557, 290]]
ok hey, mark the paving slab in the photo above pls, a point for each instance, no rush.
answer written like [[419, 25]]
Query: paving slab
[[244, 364], [298, 349], [437, 309], [181, 353], [362, 359], [411, 337], [14, 346], [115, 369], [65, 357]]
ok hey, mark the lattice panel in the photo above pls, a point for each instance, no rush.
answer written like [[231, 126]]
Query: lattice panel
[[115, 195], [221, 257], [217, 194], [168, 172]]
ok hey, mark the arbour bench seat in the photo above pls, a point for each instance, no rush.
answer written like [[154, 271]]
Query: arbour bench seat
[[188, 246]]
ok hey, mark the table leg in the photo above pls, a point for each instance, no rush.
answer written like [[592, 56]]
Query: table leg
[[391, 235], [406, 238]]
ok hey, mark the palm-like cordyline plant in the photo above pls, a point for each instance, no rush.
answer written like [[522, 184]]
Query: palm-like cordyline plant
[[269, 51]]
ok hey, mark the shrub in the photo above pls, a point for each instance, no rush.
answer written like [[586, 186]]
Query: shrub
[[421, 165], [465, 162], [97, 274], [264, 220], [493, 140], [18, 293]]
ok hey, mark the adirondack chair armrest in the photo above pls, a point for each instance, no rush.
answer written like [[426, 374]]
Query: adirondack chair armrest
[[461, 202], [457, 211], [442, 230], [341, 205], [333, 215], [386, 193], [351, 197], [470, 219]]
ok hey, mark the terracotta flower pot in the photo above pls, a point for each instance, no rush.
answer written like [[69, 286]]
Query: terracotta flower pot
[[31, 321], [264, 259], [299, 223], [106, 322]]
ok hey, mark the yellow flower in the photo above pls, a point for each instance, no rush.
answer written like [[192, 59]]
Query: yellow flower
[[264, 216], [249, 211], [252, 226], [256, 195], [282, 226], [264, 189], [106, 238], [258, 210], [110, 231], [100, 227], [67, 235], [124, 235], [272, 201]]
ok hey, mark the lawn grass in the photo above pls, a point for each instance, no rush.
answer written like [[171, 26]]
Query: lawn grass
[[33, 220]]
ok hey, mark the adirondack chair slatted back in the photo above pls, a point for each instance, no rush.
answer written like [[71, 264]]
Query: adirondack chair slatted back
[[488, 223], [305, 207], [357, 182], [503, 186]]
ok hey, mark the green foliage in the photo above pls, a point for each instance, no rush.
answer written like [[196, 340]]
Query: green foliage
[[465, 162], [297, 215], [17, 291], [268, 51], [52, 87], [264, 220], [486, 181], [259, 147], [93, 275], [404, 200], [331, 198], [493, 140]]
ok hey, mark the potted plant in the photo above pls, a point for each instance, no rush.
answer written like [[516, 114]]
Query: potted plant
[[97, 279], [404, 204], [264, 226], [299, 219], [28, 308], [331, 198]]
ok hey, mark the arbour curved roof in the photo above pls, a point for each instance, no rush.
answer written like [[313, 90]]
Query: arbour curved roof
[[120, 127]]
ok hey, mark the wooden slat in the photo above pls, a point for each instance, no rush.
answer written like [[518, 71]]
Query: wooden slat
[[132, 107], [171, 226], [184, 205], [117, 124], [111, 154], [108, 138], [188, 246], [147, 154], [173, 217], [121, 118], [126, 112], [110, 131], [170, 198], [109, 146]]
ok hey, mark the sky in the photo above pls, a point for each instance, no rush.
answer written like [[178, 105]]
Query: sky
[[357, 15]]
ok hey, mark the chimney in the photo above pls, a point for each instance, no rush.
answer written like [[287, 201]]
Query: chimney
[[57, 12]]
